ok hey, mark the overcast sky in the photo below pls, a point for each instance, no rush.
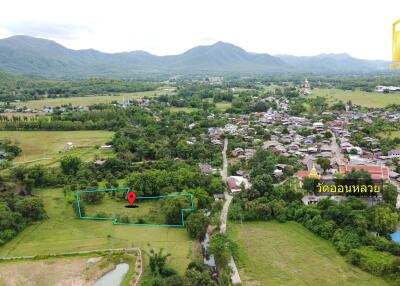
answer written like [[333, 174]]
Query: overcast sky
[[308, 27]]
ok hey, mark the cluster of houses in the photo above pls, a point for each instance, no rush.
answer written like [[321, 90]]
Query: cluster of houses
[[308, 140], [138, 101], [383, 88], [42, 110]]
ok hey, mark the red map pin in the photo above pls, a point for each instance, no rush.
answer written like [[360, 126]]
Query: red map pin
[[131, 197]]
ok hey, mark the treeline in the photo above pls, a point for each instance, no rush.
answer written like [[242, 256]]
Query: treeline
[[197, 96], [161, 274], [168, 135], [8, 150], [177, 178], [149, 179], [17, 210], [15, 87], [103, 117]]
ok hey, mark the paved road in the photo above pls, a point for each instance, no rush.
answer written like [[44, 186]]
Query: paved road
[[228, 197], [235, 277], [336, 149], [224, 171]]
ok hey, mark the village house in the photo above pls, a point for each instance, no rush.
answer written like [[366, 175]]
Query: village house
[[377, 173], [215, 132], [235, 182], [206, 168], [237, 151], [394, 153]]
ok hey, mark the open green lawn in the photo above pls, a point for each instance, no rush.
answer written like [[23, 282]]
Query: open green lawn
[[391, 134], [63, 232], [46, 147], [86, 100], [223, 105], [288, 254], [367, 99], [182, 109], [271, 87], [149, 211]]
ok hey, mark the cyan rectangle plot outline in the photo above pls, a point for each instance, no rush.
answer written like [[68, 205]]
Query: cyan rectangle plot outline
[[114, 220]]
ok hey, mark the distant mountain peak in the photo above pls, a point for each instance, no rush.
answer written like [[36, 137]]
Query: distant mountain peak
[[29, 55]]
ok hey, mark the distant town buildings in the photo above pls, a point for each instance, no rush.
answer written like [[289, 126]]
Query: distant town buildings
[[383, 88]]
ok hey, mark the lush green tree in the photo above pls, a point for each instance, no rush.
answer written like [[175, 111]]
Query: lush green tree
[[70, 165], [197, 274], [158, 261], [324, 163], [202, 198], [174, 280], [216, 186], [196, 278], [31, 208], [262, 184], [196, 225], [309, 184], [383, 220], [328, 135], [92, 197], [390, 194], [220, 248], [173, 210]]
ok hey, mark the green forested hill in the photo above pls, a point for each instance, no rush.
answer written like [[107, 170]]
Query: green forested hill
[[28, 55]]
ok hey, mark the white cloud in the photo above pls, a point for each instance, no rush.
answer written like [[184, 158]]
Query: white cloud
[[46, 30], [306, 27]]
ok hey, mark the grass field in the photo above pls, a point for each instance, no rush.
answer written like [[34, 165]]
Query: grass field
[[63, 232], [288, 254], [219, 105], [46, 147], [149, 211], [391, 135], [86, 100], [83, 269], [182, 109], [223, 105], [367, 99]]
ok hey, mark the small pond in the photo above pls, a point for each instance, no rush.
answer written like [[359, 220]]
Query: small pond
[[114, 277], [396, 236]]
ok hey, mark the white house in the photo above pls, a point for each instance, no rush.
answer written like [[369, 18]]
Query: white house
[[70, 145]]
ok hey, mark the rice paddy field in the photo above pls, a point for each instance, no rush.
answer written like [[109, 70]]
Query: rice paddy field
[[86, 100], [47, 147], [63, 232], [367, 99], [273, 253]]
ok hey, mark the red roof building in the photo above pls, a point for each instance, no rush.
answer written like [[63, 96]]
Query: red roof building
[[233, 185], [302, 174], [335, 123], [376, 172]]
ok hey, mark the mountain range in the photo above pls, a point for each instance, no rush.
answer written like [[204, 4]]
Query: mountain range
[[47, 58]]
